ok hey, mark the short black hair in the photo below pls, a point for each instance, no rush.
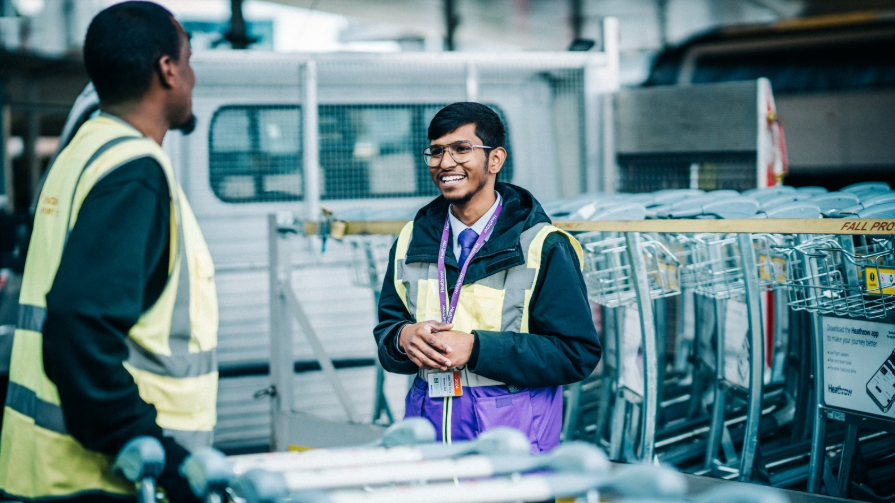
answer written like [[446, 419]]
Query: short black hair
[[123, 45], [488, 125]]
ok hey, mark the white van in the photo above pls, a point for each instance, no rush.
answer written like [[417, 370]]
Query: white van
[[294, 133]]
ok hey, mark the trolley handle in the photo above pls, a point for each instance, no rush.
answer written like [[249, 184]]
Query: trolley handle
[[141, 461], [658, 245]]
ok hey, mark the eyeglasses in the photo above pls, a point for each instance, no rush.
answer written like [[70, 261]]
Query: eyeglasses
[[460, 152]]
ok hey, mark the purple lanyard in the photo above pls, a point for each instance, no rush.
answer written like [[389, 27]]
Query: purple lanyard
[[447, 311]]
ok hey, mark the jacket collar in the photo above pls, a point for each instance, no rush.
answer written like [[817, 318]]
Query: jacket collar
[[520, 212]]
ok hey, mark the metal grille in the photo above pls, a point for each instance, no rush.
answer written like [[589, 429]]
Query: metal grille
[[648, 173], [375, 151]]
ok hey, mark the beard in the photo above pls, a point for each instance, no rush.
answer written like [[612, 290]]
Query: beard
[[188, 126]]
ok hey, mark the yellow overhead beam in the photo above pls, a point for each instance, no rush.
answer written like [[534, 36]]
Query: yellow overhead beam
[[339, 229]]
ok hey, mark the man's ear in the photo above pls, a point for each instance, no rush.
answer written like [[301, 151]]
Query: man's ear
[[167, 73], [496, 159]]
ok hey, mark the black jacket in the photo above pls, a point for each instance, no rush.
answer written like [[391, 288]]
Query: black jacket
[[563, 346]]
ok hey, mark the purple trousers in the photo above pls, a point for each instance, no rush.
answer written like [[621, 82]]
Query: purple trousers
[[537, 412]]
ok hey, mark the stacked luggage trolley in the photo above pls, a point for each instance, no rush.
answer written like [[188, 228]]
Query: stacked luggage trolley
[[407, 465], [771, 282]]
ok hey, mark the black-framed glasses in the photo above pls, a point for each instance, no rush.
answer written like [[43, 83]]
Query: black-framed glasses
[[460, 152]]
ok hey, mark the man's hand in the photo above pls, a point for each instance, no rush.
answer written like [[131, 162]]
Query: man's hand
[[460, 344], [424, 348]]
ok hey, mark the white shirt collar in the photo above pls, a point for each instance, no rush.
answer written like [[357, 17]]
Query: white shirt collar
[[457, 226]]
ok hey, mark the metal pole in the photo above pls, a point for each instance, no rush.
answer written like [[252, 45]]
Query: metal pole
[[573, 411], [849, 449], [32, 133], [472, 82], [661, 315], [311, 141], [595, 133], [325, 361], [720, 393], [819, 437], [662, 21], [237, 35], [605, 121], [451, 22], [609, 377], [281, 359], [648, 337], [380, 403], [576, 18], [756, 356], [6, 184]]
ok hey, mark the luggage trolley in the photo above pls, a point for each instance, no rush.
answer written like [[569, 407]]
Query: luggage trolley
[[625, 274], [407, 466], [847, 283], [723, 268]]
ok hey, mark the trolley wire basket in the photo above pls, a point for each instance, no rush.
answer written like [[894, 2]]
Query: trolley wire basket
[[608, 272], [713, 263], [831, 275]]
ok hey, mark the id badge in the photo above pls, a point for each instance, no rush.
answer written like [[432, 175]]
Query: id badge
[[442, 384]]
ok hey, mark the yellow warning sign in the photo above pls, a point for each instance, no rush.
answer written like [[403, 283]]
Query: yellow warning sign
[[668, 277], [880, 280], [772, 268]]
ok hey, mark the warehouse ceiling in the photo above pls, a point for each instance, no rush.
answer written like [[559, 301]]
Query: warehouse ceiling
[[552, 24]]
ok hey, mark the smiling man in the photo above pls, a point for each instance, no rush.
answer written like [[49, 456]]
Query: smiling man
[[483, 299]]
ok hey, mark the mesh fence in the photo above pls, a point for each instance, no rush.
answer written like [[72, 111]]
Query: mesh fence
[[373, 112]]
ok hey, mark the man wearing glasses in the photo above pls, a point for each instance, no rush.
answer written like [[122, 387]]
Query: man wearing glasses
[[483, 299]]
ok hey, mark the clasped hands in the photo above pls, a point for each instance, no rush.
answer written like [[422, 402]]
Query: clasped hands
[[433, 345]]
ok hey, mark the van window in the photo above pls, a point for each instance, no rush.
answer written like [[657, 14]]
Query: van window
[[255, 153], [366, 152]]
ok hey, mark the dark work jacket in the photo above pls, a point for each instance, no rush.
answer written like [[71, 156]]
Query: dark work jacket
[[563, 346]]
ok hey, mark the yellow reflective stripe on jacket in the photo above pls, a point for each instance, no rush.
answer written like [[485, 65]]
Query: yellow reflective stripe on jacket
[[534, 262], [172, 346], [400, 255]]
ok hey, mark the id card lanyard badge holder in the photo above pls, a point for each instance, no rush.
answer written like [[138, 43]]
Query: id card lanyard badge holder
[[448, 385]]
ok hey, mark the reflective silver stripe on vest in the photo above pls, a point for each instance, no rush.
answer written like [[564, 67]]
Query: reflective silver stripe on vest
[[519, 280], [515, 282], [46, 415], [191, 440], [32, 317], [181, 327], [179, 365]]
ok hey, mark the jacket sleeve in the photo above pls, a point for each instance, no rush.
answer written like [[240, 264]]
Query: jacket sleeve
[[563, 346], [393, 316], [114, 268]]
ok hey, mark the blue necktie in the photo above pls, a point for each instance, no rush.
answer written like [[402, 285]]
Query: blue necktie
[[467, 240]]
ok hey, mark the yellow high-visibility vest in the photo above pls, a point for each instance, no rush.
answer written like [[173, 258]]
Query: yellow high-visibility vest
[[172, 355]]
